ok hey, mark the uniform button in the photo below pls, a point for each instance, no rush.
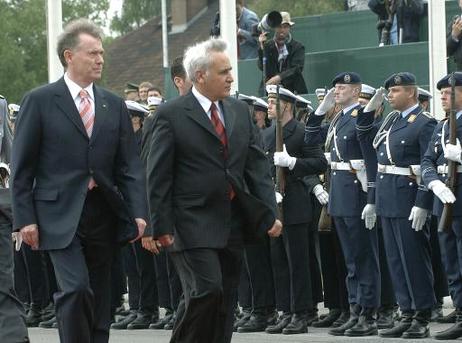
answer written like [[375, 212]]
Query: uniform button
[[381, 176], [334, 173], [344, 137], [402, 142], [91, 171], [381, 154], [333, 149], [355, 181], [410, 183]]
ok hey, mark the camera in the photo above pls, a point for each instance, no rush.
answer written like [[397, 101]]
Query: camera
[[270, 21]]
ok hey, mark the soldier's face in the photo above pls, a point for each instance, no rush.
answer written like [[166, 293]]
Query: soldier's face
[[401, 97], [272, 108], [215, 82], [446, 98], [85, 62], [345, 94]]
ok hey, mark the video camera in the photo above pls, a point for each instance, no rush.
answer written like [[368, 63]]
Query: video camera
[[270, 21]]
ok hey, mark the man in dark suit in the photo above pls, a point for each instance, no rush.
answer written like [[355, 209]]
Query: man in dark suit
[[209, 190], [78, 185]]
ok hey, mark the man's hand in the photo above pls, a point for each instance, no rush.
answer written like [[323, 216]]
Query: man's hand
[[276, 229], [141, 223], [166, 240], [369, 216], [275, 80], [30, 235], [442, 192], [453, 152], [321, 194], [376, 100], [262, 39], [283, 159], [150, 244], [327, 103], [456, 29], [419, 217]]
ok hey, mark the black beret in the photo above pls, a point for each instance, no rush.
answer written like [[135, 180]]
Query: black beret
[[446, 81], [400, 79], [347, 78]]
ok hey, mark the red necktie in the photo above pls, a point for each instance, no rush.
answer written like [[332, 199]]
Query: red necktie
[[220, 130]]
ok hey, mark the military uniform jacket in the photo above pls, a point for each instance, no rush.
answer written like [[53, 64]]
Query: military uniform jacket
[[346, 197], [434, 157], [407, 142], [297, 203]]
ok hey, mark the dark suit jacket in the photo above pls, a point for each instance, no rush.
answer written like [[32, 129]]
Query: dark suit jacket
[[53, 160], [189, 177], [297, 204], [292, 69], [454, 48]]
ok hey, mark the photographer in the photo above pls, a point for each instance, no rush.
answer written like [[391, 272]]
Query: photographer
[[284, 56], [454, 35]]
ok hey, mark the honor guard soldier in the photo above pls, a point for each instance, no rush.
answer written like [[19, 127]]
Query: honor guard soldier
[[260, 113], [424, 98], [302, 109], [402, 201], [347, 199], [291, 252], [434, 174]]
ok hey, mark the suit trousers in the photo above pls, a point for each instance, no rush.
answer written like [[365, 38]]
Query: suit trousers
[[451, 254], [83, 274], [12, 318], [360, 248], [258, 267], [333, 271], [244, 291], [291, 262], [408, 254]]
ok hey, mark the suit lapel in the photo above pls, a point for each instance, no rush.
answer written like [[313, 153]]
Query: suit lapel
[[66, 104], [101, 111], [195, 111], [229, 116]]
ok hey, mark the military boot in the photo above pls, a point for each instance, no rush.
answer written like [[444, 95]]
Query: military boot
[[283, 320], [366, 325], [328, 320], [454, 331], [419, 327], [355, 309], [398, 330]]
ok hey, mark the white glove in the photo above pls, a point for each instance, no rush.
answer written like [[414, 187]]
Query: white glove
[[442, 192], [17, 239], [376, 100], [283, 159], [419, 217], [453, 152], [369, 216], [321, 194], [278, 197], [327, 103]]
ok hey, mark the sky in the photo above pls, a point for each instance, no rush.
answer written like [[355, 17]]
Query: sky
[[115, 6]]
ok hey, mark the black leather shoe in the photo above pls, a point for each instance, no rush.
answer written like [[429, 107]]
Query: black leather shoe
[[385, 318], [48, 312], [257, 323], [352, 321], [450, 318], [33, 317], [419, 327], [272, 317], [400, 328], [366, 325], [244, 317], [171, 323], [282, 322], [437, 313], [160, 323], [298, 324], [47, 324], [328, 319], [312, 317], [122, 324], [142, 321], [453, 332], [342, 319]]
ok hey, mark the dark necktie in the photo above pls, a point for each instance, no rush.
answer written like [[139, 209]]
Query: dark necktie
[[220, 130]]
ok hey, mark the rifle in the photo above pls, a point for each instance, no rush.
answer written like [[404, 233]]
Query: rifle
[[280, 176], [451, 181]]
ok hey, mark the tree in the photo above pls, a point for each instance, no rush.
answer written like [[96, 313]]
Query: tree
[[134, 14], [23, 52]]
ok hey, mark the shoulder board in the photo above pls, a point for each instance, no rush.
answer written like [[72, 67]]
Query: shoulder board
[[428, 115], [411, 118], [354, 113]]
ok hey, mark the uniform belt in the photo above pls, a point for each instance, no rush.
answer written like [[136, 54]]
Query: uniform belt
[[392, 169], [340, 166], [444, 169]]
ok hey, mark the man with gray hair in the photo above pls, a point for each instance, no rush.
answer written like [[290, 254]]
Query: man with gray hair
[[209, 191], [78, 186]]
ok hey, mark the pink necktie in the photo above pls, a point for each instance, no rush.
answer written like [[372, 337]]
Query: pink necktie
[[88, 118]]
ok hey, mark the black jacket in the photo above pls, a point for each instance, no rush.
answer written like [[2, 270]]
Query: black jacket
[[292, 68]]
